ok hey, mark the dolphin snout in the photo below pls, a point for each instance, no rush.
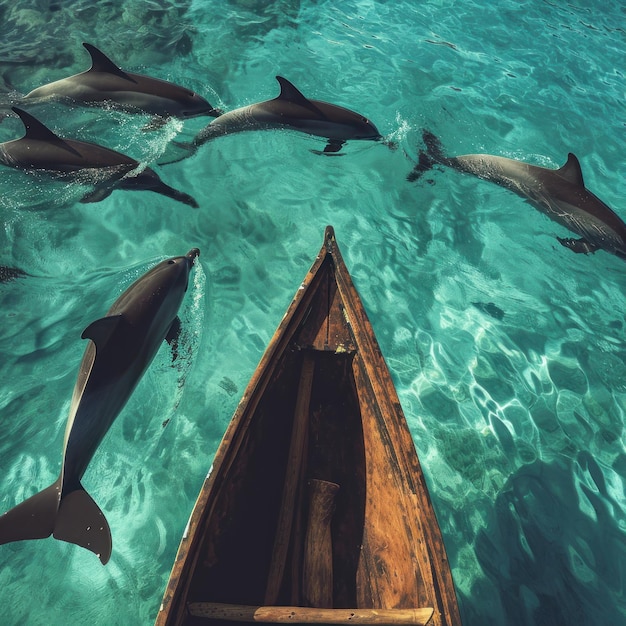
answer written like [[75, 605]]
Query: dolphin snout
[[209, 110], [193, 254]]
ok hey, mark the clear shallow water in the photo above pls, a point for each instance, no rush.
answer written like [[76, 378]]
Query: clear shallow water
[[518, 419]]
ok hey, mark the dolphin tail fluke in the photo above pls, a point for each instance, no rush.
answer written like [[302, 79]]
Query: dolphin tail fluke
[[427, 159], [80, 521], [175, 194], [75, 519], [32, 519], [176, 152]]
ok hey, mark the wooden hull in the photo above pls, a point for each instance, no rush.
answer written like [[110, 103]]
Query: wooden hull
[[316, 498]]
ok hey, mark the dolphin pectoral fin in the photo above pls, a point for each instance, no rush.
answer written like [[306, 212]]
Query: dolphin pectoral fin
[[332, 148], [173, 335], [80, 521], [579, 246], [101, 330], [32, 519], [333, 145]]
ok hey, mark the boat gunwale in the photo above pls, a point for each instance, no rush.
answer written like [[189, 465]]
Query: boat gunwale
[[260, 378], [391, 420]]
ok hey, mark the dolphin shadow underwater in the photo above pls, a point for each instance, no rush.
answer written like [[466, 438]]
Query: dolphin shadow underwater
[[123, 344], [290, 110], [560, 194], [104, 83], [7, 274], [40, 149]]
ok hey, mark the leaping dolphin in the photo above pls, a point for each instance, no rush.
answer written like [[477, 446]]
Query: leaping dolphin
[[291, 110], [41, 149], [105, 83], [123, 344], [560, 194]]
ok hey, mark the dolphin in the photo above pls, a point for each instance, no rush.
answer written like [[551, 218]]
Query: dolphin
[[88, 163], [290, 110], [123, 343], [560, 194], [105, 83]]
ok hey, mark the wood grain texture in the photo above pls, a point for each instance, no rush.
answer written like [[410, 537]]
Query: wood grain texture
[[320, 406], [305, 615]]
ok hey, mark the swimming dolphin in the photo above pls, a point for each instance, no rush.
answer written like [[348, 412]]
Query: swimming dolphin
[[123, 343], [105, 83], [560, 194], [88, 163], [290, 110]]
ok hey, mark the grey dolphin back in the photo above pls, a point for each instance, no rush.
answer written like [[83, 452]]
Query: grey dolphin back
[[118, 163]]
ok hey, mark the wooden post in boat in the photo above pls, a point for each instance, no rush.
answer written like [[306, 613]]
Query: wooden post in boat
[[317, 567], [292, 480]]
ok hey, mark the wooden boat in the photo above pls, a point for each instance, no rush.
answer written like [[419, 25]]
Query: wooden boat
[[315, 509]]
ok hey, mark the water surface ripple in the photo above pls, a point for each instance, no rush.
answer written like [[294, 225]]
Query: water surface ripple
[[508, 350]]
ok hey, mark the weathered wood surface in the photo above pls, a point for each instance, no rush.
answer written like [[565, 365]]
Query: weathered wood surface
[[320, 406], [306, 615], [317, 563], [293, 479]]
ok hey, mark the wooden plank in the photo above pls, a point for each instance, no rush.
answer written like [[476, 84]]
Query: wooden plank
[[317, 565], [306, 615], [292, 480]]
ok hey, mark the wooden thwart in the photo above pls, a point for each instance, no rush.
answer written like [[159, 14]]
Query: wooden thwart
[[306, 615]]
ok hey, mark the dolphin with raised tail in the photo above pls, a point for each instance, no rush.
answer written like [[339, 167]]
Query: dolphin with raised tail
[[560, 194], [105, 83], [122, 346], [87, 163]]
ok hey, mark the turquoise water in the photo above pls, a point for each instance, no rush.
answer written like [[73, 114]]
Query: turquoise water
[[517, 409]]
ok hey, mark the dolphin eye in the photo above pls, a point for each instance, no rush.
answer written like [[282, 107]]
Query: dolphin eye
[[171, 262], [365, 120]]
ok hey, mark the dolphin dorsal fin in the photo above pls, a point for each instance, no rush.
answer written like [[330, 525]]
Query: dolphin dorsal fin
[[571, 171], [100, 331], [290, 93], [100, 62], [37, 131]]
